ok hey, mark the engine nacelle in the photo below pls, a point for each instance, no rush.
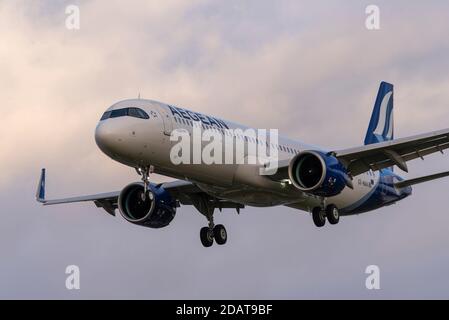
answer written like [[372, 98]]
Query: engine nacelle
[[156, 211], [318, 173]]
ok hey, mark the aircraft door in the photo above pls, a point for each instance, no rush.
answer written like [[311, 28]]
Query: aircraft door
[[167, 120]]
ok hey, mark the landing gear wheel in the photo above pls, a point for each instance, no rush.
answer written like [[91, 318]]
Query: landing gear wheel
[[332, 214], [207, 237], [220, 234], [318, 217], [144, 195]]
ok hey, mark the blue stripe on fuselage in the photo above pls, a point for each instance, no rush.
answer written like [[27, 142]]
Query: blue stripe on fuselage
[[384, 193]]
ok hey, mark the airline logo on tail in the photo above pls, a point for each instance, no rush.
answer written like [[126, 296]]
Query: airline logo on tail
[[381, 127]]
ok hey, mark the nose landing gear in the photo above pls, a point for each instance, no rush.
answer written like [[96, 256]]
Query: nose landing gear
[[145, 173]]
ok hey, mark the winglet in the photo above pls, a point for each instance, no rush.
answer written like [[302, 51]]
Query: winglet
[[40, 193]]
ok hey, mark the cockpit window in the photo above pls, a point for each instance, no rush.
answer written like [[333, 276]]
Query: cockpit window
[[125, 112], [106, 115], [138, 113], [119, 113]]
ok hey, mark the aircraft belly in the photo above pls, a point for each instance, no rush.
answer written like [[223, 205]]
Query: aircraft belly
[[218, 175], [247, 195], [364, 185]]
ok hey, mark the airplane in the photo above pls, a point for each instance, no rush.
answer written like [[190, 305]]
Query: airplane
[[326, 183]]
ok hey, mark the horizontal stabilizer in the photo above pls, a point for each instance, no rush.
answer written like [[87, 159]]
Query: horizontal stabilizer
[[407, 183]]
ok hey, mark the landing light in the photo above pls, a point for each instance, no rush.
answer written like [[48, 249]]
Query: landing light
[[285, 183]]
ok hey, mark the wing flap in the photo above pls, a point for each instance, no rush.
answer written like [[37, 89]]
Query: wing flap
[[395, 152]]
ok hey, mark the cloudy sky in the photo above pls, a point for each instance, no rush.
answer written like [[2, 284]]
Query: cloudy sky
[[311, 69]]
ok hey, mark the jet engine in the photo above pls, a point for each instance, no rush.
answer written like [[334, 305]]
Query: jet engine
[[318, 173], [155, 210]]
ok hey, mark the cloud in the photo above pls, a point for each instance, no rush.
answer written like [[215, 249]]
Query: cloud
[[310, 69]]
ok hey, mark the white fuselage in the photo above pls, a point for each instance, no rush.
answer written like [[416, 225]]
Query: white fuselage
[[139, 142]]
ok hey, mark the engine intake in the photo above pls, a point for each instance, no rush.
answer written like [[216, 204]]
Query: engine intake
[[156, 211], [318, 173]]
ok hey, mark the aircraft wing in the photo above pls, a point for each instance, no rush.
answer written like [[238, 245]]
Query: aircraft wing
[[395, 152], [184, 191], [377, 156]]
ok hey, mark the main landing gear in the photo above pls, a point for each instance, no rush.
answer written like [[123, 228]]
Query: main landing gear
[[330, 212], [205, 205], [213, 232]]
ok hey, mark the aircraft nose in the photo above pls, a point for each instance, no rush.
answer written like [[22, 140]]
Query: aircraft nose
[[106, 138]]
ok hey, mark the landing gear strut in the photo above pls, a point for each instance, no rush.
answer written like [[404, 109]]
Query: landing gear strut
[[206, 206], [145, 173]]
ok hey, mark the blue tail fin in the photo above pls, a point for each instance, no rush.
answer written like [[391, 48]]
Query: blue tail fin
[[40, 193], [381, 126]]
